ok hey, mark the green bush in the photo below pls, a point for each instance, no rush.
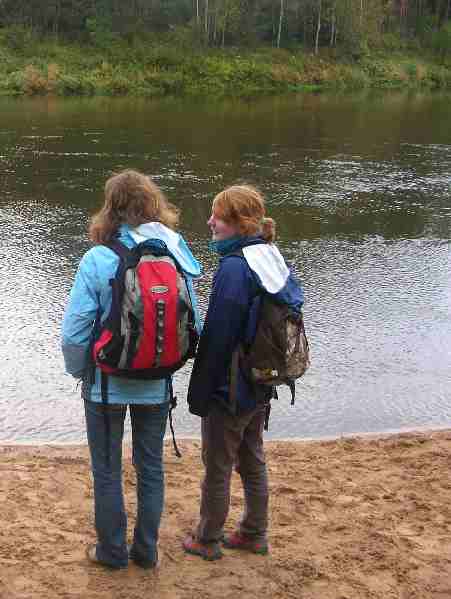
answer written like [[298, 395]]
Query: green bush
[[184, 38], [170, 83], [117, 85], [377, 70], [165, 57], [439, 76], [15, 82], [441, 41], [100, 31], [16, 38], [353, 78], [73, 85], [392, 42], [411, 70], [148, 65]]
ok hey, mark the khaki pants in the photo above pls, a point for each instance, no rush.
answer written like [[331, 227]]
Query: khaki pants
[[229, 441]]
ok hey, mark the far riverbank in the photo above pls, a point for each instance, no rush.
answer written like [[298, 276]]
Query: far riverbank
[[50, 67]]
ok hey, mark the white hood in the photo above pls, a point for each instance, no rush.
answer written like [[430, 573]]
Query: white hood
[[174, 242]]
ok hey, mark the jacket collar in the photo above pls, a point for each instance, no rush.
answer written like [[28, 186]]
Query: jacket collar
[[174, 242], [234, 244]]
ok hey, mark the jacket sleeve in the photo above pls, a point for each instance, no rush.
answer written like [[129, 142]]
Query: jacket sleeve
[[79, 316], [223, 328]]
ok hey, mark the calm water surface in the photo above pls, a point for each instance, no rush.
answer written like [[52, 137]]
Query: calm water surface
[[360, 188]]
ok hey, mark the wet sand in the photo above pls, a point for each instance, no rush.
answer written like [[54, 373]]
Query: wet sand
[[350, 519]]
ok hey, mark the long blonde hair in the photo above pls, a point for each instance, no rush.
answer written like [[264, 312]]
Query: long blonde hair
[[244, 207], [130, 198]]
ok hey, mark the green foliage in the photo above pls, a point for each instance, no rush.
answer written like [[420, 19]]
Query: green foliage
[[411, 70], [439, 77], [165, 57], [392, 42], [151, 66], [356, 27], [164, 83], [440, 41], [74, 85], [16, 38], [353, 77], [184, 38], [100, 31], [361, 26], [13, 83]]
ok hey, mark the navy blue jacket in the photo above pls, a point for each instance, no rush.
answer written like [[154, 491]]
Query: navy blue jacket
[[232, 318]]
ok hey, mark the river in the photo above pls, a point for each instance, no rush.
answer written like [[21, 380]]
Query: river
[[360, 187]]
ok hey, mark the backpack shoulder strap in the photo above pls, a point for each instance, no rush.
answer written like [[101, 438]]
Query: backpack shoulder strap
[[119, 248]]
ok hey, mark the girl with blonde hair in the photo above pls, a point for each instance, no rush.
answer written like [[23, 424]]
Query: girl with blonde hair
[[135, 211]]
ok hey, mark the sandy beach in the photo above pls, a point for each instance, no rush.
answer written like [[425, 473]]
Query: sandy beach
[[350, 519]]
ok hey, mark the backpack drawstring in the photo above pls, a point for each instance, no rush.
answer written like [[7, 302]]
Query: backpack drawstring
[[106, 416], [267, 414], [293, 391], [107, 423], [274, 395], [172, 406]]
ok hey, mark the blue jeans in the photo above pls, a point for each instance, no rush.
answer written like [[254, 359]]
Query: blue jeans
[[148, 429]]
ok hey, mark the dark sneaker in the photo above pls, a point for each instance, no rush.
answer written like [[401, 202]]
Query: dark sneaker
[[146, 564], [239, 541], [208, 551], [91, 554]]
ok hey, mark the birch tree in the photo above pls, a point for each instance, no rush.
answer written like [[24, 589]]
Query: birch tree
[[279, 32], [318, 26]]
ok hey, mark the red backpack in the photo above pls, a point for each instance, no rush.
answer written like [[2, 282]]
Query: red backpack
[[150, 331]]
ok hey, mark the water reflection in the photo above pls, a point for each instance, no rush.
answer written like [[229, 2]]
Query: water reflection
[[359, 187]]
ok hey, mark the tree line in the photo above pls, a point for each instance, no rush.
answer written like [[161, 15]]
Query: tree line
[[350, 24]]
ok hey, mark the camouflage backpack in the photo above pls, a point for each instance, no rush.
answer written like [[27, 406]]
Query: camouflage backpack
[[279, 353]]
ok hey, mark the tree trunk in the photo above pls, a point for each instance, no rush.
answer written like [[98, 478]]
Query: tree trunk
[[419, 15], [445, 14], [318, 27], [215, 26], [273, 24], [206, 20], [57, 18], [197, 12], [332, 29], [280, 23], [224, 30], [403, 16]]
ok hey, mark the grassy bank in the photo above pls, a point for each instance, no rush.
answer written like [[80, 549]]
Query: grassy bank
[[31, 67]]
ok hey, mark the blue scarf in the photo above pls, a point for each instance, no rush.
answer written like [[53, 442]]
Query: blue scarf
[[227, 246]]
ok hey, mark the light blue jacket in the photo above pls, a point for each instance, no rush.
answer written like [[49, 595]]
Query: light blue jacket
[[91, 294]]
